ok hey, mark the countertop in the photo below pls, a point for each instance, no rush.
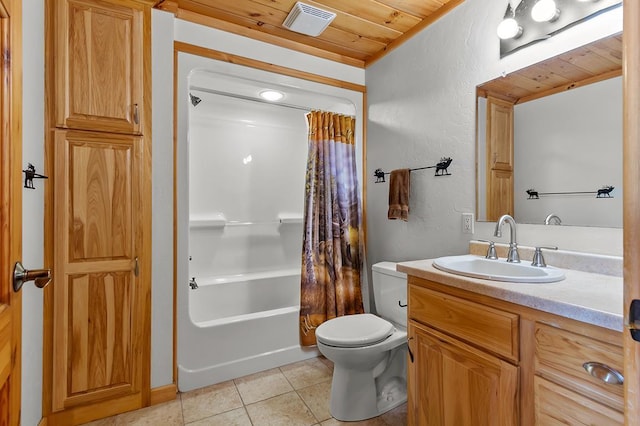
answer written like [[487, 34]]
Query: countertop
[[584, 296]]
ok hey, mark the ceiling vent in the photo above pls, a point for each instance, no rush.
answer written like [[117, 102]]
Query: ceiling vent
[[308, 20]]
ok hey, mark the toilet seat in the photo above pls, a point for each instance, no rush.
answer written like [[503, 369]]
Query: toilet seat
[[353, 331]]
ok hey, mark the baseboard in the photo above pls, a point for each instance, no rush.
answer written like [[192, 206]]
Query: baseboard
[[162, 394]]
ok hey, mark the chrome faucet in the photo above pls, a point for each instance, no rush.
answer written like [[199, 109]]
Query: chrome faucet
[[513, 255], [552, 219], [193, 284]]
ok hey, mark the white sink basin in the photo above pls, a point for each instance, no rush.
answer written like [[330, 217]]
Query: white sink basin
[[498, 270]]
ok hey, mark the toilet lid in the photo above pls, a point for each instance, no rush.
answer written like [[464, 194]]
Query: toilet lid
[[351, 331]]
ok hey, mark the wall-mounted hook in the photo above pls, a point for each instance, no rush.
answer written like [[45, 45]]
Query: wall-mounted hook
[[30, 174]]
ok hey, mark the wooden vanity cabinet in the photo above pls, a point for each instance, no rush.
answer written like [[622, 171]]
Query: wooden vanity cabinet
[[482, 361], [465, 368]]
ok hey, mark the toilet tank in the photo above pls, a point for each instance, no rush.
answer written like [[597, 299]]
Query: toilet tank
[[389, 288]]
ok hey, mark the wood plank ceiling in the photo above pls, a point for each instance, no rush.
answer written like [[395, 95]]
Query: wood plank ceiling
[[362, 32], [587, 64]]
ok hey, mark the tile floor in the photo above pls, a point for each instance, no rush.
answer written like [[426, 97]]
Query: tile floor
[[292, 395]]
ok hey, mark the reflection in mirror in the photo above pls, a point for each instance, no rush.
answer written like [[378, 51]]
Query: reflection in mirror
[[562, 146]]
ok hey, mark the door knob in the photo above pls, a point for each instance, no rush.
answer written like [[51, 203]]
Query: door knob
[[41, 277]]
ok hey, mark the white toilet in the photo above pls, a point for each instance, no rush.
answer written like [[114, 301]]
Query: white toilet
[[369, 352]]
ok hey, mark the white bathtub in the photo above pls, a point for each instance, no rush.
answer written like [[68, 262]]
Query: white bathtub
[[238, 325]]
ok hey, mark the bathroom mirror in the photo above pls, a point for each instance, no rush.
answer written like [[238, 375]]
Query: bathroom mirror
[[549, 140]]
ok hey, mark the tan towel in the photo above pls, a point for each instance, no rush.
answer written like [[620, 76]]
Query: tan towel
[[399, 194]]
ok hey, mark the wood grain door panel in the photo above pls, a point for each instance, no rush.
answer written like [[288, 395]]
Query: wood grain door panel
[[98, 316], [100, 82], [100, 194], [458, 385], [499, 194]]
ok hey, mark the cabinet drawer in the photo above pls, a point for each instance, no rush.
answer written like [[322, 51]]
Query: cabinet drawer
[[560, 355], [557, 405], [488, 328]]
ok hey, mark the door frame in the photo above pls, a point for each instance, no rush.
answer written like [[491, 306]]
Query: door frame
[[11, 188], [631, 203]]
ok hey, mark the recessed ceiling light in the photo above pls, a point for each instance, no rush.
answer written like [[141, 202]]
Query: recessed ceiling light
[[271, 95]]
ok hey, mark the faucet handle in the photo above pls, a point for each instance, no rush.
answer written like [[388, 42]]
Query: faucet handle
[[491, 250], [538, 258]]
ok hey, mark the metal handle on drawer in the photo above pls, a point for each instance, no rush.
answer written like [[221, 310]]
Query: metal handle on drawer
[[604, 372]]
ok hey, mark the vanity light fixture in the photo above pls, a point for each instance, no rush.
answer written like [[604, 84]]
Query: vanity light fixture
[[271, 95], [531, 21], [509, 27], [545, 11]]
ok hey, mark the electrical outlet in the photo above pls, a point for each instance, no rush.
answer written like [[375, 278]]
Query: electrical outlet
[[467, 223]]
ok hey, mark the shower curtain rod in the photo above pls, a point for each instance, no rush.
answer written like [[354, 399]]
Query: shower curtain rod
[[247, 98]]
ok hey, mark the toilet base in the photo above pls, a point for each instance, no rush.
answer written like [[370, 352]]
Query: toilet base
[[353, 395], [357, 395]]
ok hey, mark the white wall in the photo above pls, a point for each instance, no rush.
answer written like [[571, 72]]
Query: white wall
[[422, 107], [32, 207], [571, 141], [162, 200]]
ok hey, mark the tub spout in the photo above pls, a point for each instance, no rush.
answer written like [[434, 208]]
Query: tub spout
[[193, 284]]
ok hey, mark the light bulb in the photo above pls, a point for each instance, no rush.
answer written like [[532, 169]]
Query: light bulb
[[271, 95], [509, 28], [545, 10]]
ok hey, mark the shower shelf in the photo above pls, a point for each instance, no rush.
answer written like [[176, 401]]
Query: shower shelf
[[221, 222]]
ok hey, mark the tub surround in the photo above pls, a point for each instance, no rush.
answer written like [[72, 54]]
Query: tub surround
[[594, 298]]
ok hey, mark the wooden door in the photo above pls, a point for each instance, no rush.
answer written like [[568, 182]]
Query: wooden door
[[101, 292], [99, 75], [631, 167], [499, 158], [10, 209], [457, 385]]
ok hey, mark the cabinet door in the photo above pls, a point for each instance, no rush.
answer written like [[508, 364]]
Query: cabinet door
[[101, 291], [499, 158], [99, 70], [454, 384]]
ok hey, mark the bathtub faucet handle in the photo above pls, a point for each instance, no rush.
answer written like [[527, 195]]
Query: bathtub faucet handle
[[193, 284]]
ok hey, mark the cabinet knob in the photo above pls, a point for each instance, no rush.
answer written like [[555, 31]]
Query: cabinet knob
[[604, 372]]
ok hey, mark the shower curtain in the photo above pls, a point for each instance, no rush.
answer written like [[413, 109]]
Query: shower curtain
[[331, 254]]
